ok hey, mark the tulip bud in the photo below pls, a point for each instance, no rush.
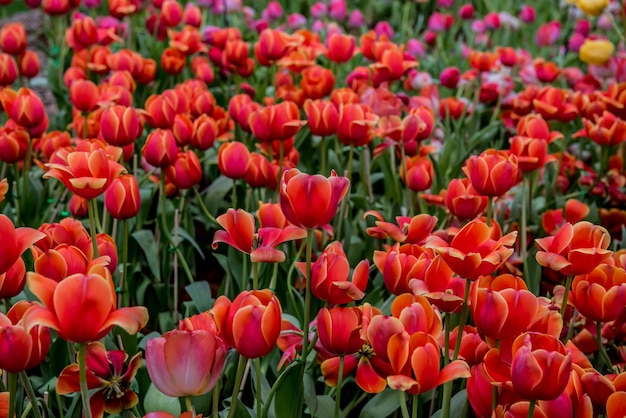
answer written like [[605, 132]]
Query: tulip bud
[[8, 70], [29, 64], [120, 125], [186, 170], [341, 47], [160, 148], [78, 206], [233, 159], [122, 199], [84, 95], [13, 38]]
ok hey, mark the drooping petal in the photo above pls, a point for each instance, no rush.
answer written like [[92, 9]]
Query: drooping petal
[[367, 378], [130, 319], [455, 370]]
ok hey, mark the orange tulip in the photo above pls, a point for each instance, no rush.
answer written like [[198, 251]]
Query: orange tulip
[[40, 336], [14, 242], [397, 268], [355, 125], [84, 95], [616, 405], [159, 112], [317, 82], [311, 201], [239, 232], [417, 314], [422, 354], [12, 281], [606, 130], [492, 173], [575, 249], [82, 34], [172, 61], [413, 230], [419, 173], [29, 64], [601, 294], [552, 103], [8, 70], [185, 172], [250, 323], [472, 252], [81, 308], [87, 174], [13, 145], [15, 346]]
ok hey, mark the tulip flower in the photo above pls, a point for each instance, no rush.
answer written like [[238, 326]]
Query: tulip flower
[[463, 201], [601, 294], [355, 124], [596, 52], [122, 199], [417, 314], [15, 346], [86, 174], [108, 377], [339, 330], [14, 242], [120, 125], [341, 47], [12, 281], [575, 249], [250, 323], [311, 201], [276, 122], [472, 252], [233, 159], [492, 173], [592, 7], [413, 230], [81, 308], [330, 273], [185, 172], [606, 129], [13, 38], [240, 233], [185, 363], [28, 109]]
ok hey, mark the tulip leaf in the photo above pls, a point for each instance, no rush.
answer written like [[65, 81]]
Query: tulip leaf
[[200, 294], [185, 235], [265, 391], [381, 405], [458, 406], [289, 399], [325, 407], [147, 243], [309, 394], [216, 192]]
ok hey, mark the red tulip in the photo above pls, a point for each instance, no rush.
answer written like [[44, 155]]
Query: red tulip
[[13, 38], [250, 323], [185, 172], [39, 335], [276, 122], [317, 82], [14, 242], [122, 199], [601, 294], [120, 125], [492, 173], [233, 159], [322, 116], [81, 308], [160, 148], [355, 125], [28, 109], [15, 346], [463, 201], [311, 201], [339, 330], [341, 47]]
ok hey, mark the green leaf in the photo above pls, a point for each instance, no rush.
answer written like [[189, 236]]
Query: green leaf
[[265, 391], [309, 394], [289, 399], [216, 192], [147, 243], [458, 406], [326, 407], [200, 293], [382, 405], [185, 235]]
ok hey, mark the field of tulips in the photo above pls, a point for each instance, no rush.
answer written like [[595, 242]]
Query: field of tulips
[[360, 209]]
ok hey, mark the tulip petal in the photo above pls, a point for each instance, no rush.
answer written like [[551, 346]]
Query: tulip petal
[[129, 319], [367, 378], [42, 287], [401, 382], [455, 370]]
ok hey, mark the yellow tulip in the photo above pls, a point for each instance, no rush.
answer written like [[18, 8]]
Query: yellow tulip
[[592, 7], [596, 52]]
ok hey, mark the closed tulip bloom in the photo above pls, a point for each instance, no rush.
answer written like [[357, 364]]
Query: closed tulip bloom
[[596, 52], [122, 199], [61, 261], [160, 149], [13, 145], [81, 308], [472, 252], [419, 173], [322, 117], [233, 159], [78, 206], [15, 346], [541, 366], [592, 7], [8, 70], [120, 125], [27, 109], [311, 201], [341, 47], [317, 82], [450, 77], [185, 363], [12, 281], [82, 34], [39, 335], [339, 330], [13, 38], [86, 174], [172, 61], [251, 322], [492, 173], [276, 122], [601, 294], [29, 64], [397, 268], [463, 201], [575, 249], [355, 125], [204, 133], [330, 276], [171, 13], [186, 170], [84, 95], [159, 112]]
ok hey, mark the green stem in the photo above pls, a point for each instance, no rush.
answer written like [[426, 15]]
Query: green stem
[[123, 278], [82, 367], [233, 401], [92, 209], [415, 405], [524, 244], [403, 407], [215, 405], [568, 284], [12, 384], [339, 383], [255, 276], [603, 354], [323, 150], [31, 394], [307, 295], [407, 192], [188, 404], [259, 392], [350, 159], [245, 274], [203, 208], [272, 285], [165, 230], [489, 210], [531, 408]]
